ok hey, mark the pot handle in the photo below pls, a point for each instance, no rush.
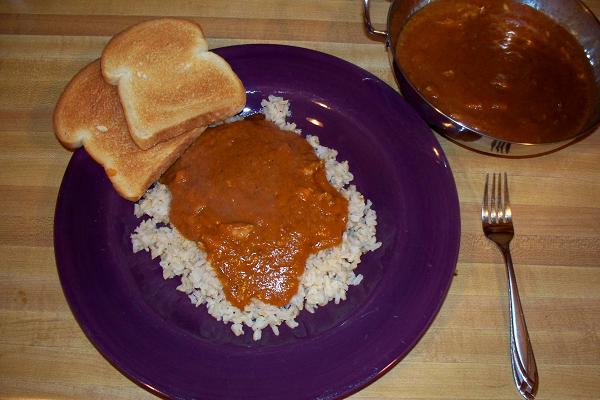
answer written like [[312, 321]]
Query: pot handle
[[372, 30]]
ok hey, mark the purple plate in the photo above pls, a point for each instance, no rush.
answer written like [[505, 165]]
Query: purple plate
[[156, 337]]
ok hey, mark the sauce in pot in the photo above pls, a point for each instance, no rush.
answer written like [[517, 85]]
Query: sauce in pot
[[257, 200], [500, 67]]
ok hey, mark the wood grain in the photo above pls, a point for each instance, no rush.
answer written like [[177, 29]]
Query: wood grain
[[43, 352]]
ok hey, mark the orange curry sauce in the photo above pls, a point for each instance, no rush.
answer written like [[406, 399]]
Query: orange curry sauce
[[501, 67], [257, 200]]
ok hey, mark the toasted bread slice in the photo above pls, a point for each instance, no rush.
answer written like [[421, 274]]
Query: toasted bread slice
[[89, 113], [168, 81]]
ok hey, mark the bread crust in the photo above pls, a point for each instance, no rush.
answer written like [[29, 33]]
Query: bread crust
[[89, 114], [168, 81]]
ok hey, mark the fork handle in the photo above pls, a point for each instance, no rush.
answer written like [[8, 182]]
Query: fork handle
[[521, 351]]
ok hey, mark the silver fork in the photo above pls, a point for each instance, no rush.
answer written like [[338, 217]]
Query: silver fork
[[498, 227]]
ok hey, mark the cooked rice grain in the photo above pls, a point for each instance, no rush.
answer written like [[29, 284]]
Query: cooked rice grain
[[327, 275]]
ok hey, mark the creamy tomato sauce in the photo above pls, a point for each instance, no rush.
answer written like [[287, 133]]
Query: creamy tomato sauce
[[257, 200], [500, 67]]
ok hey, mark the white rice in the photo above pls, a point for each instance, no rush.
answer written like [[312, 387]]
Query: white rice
[[327, 275]]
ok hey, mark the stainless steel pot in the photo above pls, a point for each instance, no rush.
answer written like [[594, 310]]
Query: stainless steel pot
[[571, 14]]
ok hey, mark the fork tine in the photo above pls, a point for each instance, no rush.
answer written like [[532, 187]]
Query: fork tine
[[506, 202], [499, 208], [484, 207], [493, 213], [507, 211]]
